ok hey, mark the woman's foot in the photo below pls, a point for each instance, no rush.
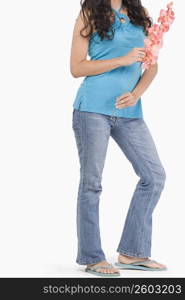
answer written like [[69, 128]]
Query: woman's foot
[[128, 259], [103, 270]]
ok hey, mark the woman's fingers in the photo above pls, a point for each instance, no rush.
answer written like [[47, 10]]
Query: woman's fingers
[[142, 53], [141, 56], [123, 96], [141, 49], [123, 100]]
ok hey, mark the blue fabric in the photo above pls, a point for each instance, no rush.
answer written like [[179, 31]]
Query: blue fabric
[[98, 93], [92, 133]]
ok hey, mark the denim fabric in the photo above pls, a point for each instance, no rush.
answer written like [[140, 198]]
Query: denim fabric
[[92, 132]]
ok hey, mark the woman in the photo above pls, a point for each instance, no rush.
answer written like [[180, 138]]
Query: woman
[[108, 103]]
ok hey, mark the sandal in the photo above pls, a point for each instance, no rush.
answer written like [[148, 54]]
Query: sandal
[[139, 265], [93, 270]]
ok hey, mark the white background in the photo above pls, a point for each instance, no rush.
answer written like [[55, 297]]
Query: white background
[[39, 168]]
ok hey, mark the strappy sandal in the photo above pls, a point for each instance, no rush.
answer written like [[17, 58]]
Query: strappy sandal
[[93, 270], [139, 265]]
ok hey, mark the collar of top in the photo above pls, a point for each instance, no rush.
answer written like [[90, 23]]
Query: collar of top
[[121, 15]]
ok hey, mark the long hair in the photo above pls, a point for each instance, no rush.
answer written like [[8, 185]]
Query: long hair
[[98, 15]]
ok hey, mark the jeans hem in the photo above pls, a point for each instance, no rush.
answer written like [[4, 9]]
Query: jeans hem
[[128, 253], [81, 262]]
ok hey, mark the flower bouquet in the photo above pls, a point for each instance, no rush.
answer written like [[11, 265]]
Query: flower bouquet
[[154, 41]]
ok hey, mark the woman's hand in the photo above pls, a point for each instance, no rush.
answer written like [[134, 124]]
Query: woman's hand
[[135, 55], [125, 100]]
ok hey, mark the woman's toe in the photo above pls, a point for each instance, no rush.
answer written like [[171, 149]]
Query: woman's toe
[[158, 265], [162, 266]]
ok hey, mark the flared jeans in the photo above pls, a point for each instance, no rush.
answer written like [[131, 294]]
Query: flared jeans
[[92, 132]]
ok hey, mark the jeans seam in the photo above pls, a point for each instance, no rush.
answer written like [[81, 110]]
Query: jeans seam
[[82, 157], [143, 232]]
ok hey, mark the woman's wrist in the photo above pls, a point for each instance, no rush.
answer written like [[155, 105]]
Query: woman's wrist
[[135, 95], [123, 61]]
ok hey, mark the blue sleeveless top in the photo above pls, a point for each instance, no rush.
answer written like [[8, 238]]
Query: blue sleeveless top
[[98, 93]]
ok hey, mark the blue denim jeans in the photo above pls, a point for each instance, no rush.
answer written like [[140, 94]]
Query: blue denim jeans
[[92, 132]]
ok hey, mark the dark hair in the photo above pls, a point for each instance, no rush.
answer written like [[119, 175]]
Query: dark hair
[[98, 15]]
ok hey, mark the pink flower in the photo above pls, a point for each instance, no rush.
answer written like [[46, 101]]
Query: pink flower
[[154, 41]]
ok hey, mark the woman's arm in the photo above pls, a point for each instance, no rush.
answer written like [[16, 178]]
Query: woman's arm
[[80, 66], [145, 81], [147, 76], [131, 98]]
